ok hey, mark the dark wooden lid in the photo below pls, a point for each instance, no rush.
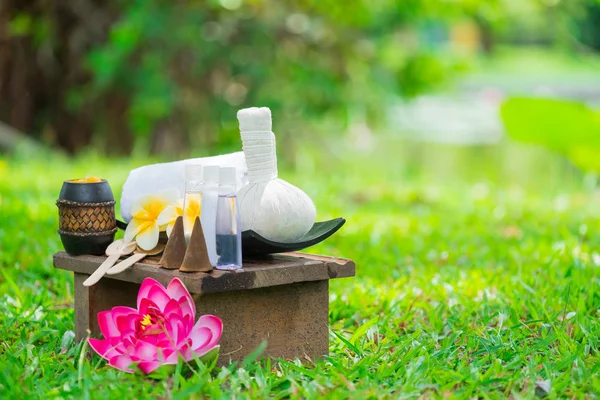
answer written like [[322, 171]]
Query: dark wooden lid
[[273, 270]]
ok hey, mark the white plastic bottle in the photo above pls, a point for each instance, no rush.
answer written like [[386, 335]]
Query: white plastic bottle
[[192, 202], [210, 193], [229, 234]]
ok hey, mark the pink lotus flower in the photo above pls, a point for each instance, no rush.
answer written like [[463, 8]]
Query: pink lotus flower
[[159, 332]]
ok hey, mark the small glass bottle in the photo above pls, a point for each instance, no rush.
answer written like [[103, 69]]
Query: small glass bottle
[[229, 235], [210, 194], [192, 202]]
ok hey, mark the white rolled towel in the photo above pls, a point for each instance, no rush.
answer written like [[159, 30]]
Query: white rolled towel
[[156, 178]]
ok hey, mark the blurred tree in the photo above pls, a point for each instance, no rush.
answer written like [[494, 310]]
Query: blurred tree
[[565, 23], [41, 47], [590, 25], [171, 74]]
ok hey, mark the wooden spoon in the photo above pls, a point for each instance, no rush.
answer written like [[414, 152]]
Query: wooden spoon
[[138, 255], [114, 251]]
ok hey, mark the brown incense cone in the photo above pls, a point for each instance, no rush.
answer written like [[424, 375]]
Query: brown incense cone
[[196, 255], [174, 253]]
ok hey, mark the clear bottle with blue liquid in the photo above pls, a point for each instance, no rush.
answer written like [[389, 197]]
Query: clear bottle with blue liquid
[[228, 233], [210, 195]]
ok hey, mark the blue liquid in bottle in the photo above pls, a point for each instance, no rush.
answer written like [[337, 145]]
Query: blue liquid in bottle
[[228, 251], [228, 234]]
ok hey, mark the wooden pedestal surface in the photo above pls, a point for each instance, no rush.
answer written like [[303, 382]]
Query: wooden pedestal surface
[[283, 300]]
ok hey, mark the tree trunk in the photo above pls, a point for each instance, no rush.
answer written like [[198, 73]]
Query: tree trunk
[[37, 77]]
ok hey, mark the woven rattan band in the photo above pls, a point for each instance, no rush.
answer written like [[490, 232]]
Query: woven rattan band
[[86, 219], [70, 203], [87, 234]]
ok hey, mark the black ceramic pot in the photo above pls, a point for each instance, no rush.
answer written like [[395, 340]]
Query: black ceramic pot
[[86, 216]]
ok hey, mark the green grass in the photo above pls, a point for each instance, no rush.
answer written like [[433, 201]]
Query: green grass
[[478, 275]]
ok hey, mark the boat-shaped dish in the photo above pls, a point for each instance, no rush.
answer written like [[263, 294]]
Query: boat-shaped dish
[[254, 244]]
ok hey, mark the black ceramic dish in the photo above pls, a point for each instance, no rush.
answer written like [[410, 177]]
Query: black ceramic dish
[[254, 244]]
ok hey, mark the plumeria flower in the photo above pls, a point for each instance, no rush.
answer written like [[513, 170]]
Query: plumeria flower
[[159, 332], [193, 209], [144, 227], [169, 215]]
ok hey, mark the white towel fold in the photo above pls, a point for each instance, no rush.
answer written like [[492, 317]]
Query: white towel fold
[[156, 178]]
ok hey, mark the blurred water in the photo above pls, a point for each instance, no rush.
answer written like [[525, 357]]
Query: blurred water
[[449, 119], [471, 115]]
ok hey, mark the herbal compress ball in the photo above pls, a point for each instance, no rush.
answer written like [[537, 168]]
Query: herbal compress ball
[[272, 207]]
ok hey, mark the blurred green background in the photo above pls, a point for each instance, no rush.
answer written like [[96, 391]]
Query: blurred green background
[[167, 77]]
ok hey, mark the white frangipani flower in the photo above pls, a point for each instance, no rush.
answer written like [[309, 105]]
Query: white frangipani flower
[[144, 226]]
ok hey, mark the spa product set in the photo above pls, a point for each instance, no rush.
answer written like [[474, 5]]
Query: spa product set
[[210, 194], [203, 207]]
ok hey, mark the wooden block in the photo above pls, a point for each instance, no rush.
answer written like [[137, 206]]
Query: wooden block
[[83, 311], [104, 295], [293, 319], [279, 269], [174, 253], [196, 255], [282, 299]]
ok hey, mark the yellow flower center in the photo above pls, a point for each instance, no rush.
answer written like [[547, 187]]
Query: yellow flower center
[[193, 205], [146, 321]]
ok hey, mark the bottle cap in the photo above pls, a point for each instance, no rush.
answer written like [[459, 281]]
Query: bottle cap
[[211, 173], [227, 176], [193, 172]]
